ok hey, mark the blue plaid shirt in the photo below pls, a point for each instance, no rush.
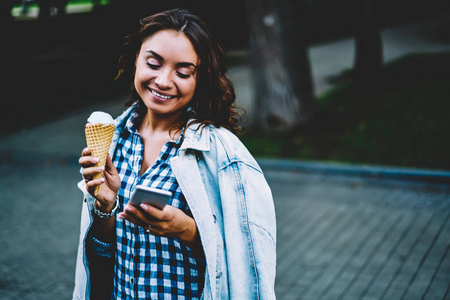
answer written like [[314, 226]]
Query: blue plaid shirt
[[147, 266]]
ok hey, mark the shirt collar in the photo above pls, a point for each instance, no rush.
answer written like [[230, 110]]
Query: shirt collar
[[130, 123], [179, 141], [193, 137], [132, 128]]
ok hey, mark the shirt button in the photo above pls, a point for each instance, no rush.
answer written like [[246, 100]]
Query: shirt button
[[132, 280]]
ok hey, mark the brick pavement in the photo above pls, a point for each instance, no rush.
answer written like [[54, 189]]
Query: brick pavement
[[338, 237], [351, 238], [39, 226]]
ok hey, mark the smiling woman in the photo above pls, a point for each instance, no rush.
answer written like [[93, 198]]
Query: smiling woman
[[164, 76], [215, 239], [214, 98]]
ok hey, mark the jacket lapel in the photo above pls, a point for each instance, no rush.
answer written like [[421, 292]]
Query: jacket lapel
[[187, 172]]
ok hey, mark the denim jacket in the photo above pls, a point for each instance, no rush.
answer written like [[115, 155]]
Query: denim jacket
[[232, 205]]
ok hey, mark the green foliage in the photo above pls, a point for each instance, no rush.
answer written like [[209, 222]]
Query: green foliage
[[403, 121]]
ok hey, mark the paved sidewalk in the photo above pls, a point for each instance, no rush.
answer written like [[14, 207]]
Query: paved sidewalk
[[339, 237], [345, 237]]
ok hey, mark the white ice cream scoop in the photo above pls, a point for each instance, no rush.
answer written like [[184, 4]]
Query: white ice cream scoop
[[100, 117]]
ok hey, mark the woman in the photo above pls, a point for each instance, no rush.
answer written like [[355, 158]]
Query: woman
[[216, 239]]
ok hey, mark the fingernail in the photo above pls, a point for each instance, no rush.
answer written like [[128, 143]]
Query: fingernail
[[95, 159], [101, 169], [144, 207]]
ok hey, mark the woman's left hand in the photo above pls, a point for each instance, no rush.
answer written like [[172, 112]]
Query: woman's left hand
[[170, 222]]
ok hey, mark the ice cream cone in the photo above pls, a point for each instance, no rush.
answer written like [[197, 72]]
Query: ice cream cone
[[98, 138]]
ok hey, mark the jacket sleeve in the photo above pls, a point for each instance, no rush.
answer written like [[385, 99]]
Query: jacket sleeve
[[251, 231], [94, 273]]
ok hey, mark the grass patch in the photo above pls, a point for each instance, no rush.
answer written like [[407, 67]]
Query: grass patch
[[405, 121]]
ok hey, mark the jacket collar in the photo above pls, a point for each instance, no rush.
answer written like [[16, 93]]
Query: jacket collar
[[196, 138]]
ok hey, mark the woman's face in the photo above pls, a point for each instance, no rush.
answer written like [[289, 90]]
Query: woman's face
[[165, 76]]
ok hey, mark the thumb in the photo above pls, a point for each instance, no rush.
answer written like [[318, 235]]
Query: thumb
[[109, 167], [111, 175]]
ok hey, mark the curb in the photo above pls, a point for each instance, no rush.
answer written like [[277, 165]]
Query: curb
[[267, 164], [374, 172]]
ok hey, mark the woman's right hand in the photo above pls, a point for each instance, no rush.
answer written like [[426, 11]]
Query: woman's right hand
[[109, 184]]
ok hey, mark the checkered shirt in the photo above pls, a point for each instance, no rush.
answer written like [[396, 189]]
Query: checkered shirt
[[147, 266]]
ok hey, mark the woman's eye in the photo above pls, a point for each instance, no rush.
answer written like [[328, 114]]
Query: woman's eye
[[153, 66], [182, 75]]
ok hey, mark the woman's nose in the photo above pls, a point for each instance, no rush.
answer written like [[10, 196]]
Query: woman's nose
[[164, 79]]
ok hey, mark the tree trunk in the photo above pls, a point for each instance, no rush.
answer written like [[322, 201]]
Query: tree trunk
[[61, 8], [44, 9], [275, 66], [297, 56], [369, 48]]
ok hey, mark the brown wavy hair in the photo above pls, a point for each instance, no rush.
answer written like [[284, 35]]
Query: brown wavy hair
[[214, 98]]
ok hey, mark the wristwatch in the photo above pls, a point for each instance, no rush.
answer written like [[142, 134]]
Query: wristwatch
[[106, 216]]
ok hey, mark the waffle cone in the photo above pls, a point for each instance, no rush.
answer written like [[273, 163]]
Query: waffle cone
[[98, 138]]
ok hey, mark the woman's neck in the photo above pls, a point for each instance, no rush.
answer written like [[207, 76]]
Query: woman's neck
[[154, 124]]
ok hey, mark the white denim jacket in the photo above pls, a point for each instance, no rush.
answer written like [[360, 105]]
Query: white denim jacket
[[232, 206]]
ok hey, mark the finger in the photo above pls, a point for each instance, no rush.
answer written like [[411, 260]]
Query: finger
[[136, 212], [88, 161], [86, 151], [133, 219], [111, 175], [154, 212], [154, 231], [133, 215], [142, 215], [92, 171], [109, 167], [92, 184]]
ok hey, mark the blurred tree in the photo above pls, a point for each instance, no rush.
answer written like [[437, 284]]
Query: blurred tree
[[295, 44], [280, 64], [369, 48], [61, 7], [45, 7]]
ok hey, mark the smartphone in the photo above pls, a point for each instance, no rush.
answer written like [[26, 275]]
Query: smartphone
[[155, 197]]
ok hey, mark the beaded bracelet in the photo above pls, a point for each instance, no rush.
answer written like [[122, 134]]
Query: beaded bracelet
[[106, 216]]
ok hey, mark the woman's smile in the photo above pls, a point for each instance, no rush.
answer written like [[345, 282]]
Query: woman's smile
[[161, 95]]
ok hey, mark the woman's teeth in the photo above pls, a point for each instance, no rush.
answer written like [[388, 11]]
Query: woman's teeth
[[161, 95]]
